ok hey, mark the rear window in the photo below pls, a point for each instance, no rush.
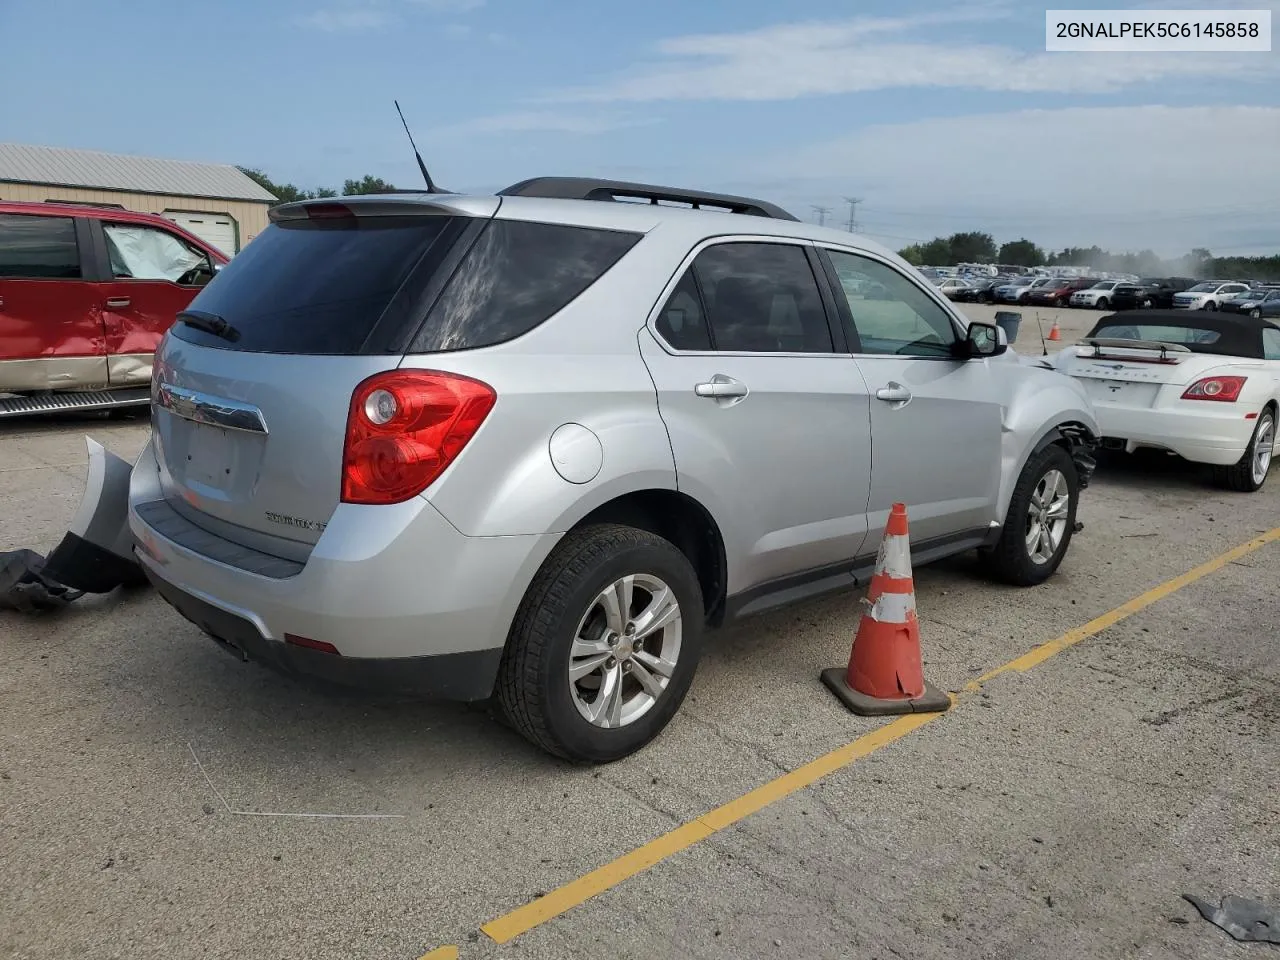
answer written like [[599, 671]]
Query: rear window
[[517, 275], [39, 248], [1161, 333], [316, 286]]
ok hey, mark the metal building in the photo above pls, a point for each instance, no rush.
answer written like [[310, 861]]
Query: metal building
[[214, 201]]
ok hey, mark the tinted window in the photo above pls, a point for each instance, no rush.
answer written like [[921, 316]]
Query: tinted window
[[890, 313], [762, 298], [38, 247], [682, 322], [516, 276], [314, 286]]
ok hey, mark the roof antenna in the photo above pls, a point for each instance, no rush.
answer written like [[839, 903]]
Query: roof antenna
[[1044, 346], [431, 187]]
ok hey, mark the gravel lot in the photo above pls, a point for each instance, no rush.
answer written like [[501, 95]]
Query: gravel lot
[[1059, 812]]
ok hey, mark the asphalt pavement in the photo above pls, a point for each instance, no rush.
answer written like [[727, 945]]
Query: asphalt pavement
[[159, 798]]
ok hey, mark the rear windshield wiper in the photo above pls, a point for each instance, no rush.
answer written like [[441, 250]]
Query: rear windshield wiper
[[209, 323]]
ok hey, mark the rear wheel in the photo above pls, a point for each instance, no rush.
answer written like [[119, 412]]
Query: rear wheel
[[1249, 473], [604, 645], [1040, 521]]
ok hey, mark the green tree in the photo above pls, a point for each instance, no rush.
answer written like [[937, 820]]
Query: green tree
[[971, 247], [913, 254], [351, 188], [284, 192], [1022, 253], [937, 253]]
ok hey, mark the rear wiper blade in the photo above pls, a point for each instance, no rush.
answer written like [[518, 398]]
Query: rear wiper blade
[[210, 323]]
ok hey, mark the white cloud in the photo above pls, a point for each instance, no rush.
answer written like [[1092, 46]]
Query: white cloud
[[1168, 178], [793, 60], [544, 121], [346, 20]]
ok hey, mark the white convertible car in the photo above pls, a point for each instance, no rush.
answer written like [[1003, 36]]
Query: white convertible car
[[1205, 386]]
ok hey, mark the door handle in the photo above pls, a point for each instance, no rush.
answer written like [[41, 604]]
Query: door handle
[[893, 393], [721, 387], [118, 303]]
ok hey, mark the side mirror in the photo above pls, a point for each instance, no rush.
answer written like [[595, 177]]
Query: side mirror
[[984, 340]]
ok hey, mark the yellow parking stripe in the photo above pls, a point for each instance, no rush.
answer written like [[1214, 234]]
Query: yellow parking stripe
[[565, 898]]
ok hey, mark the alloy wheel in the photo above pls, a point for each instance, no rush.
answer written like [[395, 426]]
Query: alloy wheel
[[1047, 516], [625, 650], [1263, 446]]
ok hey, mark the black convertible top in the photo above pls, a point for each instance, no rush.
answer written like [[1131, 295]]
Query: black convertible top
[[1237, 334]]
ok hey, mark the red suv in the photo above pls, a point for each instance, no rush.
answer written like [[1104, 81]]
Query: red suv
[[86, 293]]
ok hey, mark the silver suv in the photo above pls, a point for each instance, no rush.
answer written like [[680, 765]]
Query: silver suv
[[534, 444]]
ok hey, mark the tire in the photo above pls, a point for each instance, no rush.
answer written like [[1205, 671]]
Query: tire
[[1148, 303], [534, 685], [1249, 473], [1010, 560], [1255, 313], [1102, 303], [1211, 307]]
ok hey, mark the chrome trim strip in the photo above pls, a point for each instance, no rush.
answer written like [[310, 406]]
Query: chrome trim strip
[[214, 411]]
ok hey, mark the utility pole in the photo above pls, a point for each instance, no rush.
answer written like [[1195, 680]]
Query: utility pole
[[822, 214], [853, 212]]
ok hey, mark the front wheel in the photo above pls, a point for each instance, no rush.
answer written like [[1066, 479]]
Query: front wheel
[[1255, 313], [1103, 304], [1249, 473], [1040, 521], [1211, 307], [604, 645]]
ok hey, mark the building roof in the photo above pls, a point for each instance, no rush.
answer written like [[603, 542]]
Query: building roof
[[91, 169]]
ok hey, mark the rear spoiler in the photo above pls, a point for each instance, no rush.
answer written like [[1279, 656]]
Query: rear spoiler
[[386, 205], [1124, 344]]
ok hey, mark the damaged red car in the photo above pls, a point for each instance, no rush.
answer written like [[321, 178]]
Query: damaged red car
[[86, 293]]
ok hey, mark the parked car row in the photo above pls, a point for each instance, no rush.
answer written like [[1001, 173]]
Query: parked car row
[[1150, 293]]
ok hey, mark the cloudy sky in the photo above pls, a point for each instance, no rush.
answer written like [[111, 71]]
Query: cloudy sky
[[940, 118]]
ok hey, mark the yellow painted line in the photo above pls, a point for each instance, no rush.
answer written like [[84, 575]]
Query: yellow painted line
[[441, 953], [576, 892]]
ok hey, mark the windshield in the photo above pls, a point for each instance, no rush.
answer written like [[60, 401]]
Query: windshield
[[1057, 284], [1105, 285], [1204, 288]]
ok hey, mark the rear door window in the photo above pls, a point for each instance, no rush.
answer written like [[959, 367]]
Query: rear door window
[[762, 298], [38, 248], [517, 275], [315, 286]]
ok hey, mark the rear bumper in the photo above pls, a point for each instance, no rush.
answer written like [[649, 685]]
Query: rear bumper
[[451, 676], [401, 594], [1210, 437]]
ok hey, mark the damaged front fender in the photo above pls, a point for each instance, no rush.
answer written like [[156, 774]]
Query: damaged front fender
[[96, 555]]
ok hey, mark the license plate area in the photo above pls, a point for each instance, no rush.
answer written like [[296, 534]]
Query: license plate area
[[1122, 393], [209, 457]]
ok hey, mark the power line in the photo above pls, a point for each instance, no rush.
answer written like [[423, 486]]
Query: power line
[[853, 212], [822, 214]]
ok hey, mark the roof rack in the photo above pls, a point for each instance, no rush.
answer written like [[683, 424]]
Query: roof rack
[[585, 188]]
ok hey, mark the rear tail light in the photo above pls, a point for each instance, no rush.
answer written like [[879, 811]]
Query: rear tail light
[[1224, 389], [404, 428]]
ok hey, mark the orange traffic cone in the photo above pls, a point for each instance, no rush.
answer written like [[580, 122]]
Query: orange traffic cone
[[1054, 332], [885, 674]]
